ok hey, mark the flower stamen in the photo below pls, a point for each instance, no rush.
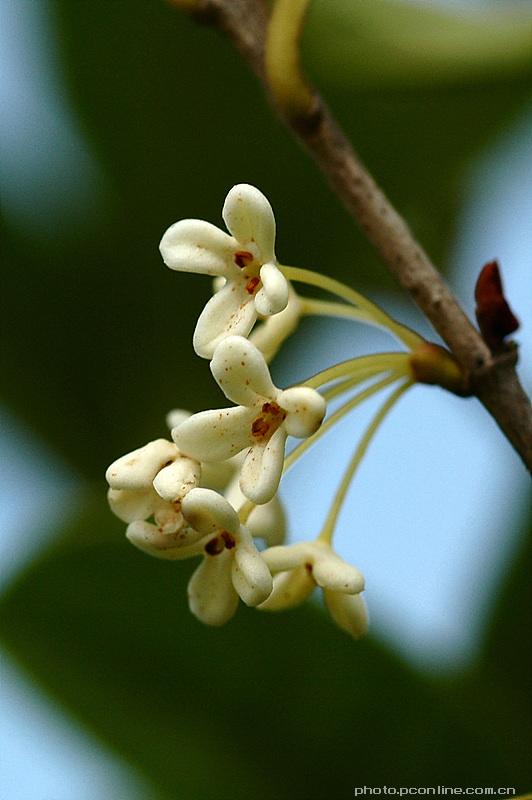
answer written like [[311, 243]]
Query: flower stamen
[[252, 285], [229, 539], [271, 418], [215, 546], [259, 428], [243, 258], [222, 541]]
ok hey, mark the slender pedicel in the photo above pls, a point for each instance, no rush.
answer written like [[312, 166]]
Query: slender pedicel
[[399, 362], [404, 334], [298, 451], [327, 531], [343, 386], [328, 308]]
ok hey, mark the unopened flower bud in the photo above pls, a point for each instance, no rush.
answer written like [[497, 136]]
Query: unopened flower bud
[[348, 611]]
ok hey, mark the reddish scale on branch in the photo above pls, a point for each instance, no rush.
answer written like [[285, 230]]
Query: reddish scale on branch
[[268, 421], [494, 316]]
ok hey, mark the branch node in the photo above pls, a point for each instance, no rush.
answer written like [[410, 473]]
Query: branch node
[[435, 365], [503, 360]]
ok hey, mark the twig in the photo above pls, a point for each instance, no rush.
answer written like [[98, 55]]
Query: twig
[[492, 379]]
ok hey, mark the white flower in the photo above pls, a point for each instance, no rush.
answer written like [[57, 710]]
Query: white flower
[[270, 334], [232, 566], [245, 259], [266, 522], [261, 422], [214, 474], [183, 543], [299, 568], [348, 611], [151, 482]]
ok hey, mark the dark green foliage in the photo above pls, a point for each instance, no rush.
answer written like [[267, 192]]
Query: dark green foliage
[[282, 706]]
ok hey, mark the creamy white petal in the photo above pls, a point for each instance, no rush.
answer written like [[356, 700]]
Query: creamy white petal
[[268, 522], [251, 577], [176, 416], [283, 558], [273, 297], [348, 611], [211, 594], [172, 547], [174, 481], [332, 572], [192, 245], [192, 540], [241, 372], [230, 311], [262, 469], [218, 283], [136, 470], [289, 589], [132, 504], [217, 475], [305, 409], [168, 519], [215, 435], [208, 511], [249, 216], [270, 334], [233, 492]]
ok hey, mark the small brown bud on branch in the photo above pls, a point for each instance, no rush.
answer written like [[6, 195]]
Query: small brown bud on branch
[[494, 316]]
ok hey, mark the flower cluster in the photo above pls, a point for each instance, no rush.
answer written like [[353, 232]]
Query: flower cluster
[[211, 491]]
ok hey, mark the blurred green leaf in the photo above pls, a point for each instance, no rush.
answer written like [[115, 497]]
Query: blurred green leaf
[[392, 43], [282, 706], [500, 684]]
